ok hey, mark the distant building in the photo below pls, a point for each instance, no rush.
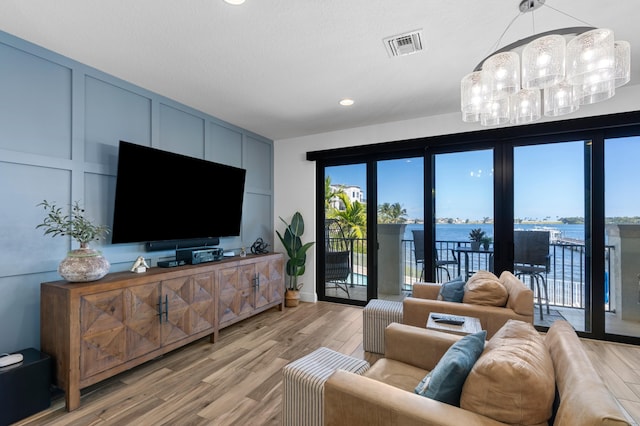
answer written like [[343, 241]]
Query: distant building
[[354, 193]]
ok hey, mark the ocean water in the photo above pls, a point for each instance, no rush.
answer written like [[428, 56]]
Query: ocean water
[[460, 232]]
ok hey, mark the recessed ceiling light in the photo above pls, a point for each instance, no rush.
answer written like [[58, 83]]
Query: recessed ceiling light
[[234, 2], [346, 102]]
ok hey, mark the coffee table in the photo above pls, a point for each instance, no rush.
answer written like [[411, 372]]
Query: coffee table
[[471, 324]]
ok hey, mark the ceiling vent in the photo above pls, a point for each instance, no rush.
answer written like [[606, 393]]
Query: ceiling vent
[[404, 44]]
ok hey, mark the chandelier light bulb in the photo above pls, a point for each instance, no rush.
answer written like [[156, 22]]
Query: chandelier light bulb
[[594, 91], [525, 106], [501, 75], [590, 57], [622, 58], [543, 62], [560, 99], [495, 112], [471, 97]]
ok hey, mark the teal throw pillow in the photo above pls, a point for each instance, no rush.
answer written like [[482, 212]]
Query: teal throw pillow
[[452, 291], [444, 383]]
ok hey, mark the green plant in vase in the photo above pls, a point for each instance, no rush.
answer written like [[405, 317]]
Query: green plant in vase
[[82, 264], [476, 235], [486, 242], [297, 253]]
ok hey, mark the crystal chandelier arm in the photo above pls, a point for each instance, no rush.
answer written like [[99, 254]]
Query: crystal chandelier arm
[[497, 43], [569, 15]]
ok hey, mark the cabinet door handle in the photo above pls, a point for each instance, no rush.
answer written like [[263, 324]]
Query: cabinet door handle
[[160, 308], [166, 308]]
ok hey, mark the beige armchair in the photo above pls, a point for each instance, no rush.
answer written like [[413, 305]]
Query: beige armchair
[[519, 305], [384, 394]]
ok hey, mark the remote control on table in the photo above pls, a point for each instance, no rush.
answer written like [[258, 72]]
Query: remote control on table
[[449, 319]]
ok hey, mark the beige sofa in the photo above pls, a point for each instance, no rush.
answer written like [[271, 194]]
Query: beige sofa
[[384, 394], [519, 305]]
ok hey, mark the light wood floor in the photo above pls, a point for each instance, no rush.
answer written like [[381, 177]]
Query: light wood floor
[[237, 381]]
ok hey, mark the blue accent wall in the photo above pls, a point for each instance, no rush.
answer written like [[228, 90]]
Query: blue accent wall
[[60, 125]]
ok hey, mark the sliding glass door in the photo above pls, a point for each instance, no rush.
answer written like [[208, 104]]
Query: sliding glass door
[[345, 233], [550, 254], [463, 213], [622, 236], [399, 224]]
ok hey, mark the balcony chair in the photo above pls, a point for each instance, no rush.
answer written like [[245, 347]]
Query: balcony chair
[[531, 257], [441, 265], [337, 257]]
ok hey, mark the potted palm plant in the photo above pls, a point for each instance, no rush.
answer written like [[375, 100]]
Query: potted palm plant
[[82, 264], [476, 235], [297, 253]]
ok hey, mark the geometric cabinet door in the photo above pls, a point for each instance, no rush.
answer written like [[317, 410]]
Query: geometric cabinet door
[[118, 325], [102, 331], [269, 281], [123, 324], [188, 306]]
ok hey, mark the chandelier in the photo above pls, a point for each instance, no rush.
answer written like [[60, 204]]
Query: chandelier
[[554, 76]]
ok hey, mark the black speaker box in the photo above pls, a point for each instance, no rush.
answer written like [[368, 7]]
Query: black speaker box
[[24, 387]]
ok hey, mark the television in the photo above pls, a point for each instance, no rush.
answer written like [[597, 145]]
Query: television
[[169, 200]]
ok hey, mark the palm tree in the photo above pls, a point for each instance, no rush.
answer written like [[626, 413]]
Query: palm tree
[[329, 192], [383, 212], [391, 213], [353, 219]]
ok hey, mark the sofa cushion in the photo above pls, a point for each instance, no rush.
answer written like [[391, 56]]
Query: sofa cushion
[[484, 288], [513, 381], [395, 373], [520, 296], [444, 382], [452, 291]]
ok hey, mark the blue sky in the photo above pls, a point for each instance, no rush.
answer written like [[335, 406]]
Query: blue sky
[[549, 181]]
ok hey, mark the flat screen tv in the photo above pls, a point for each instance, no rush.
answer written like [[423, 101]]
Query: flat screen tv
[[163, 197]]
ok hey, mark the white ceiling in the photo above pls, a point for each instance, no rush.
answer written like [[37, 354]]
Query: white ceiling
[[279, 67]]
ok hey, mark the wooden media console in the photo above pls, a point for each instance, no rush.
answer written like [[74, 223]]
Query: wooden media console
[[98, 329]]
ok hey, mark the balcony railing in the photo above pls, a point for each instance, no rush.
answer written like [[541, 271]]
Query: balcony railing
[[565, 279]]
